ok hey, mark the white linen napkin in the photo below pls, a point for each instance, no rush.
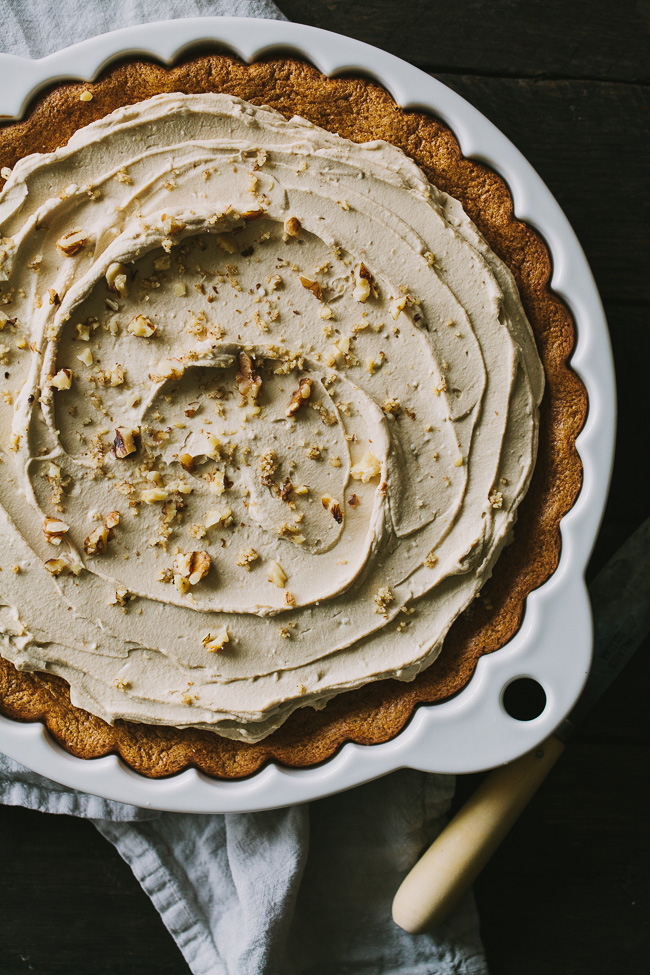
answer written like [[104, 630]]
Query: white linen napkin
[[305, 890]]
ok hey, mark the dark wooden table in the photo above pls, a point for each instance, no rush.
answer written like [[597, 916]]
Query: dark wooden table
[[568, 892]]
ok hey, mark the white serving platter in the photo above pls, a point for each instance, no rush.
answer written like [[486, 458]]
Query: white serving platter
[[471, 731]]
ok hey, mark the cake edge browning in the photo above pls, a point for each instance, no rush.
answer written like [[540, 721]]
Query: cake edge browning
[[361, 110]]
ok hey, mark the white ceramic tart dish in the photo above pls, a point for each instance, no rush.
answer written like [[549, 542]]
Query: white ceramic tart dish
[[472, 729]]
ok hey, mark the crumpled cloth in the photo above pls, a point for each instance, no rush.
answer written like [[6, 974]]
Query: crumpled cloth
[[305, 890]]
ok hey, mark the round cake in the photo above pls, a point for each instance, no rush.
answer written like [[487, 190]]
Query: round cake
[[270, 407]]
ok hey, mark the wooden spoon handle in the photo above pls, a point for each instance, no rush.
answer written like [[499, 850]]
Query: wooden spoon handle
[[451, 864]]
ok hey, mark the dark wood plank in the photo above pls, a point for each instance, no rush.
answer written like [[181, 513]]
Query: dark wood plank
[[589, 143], [568, 891], [627, 507], [539, 38], [70, 904]]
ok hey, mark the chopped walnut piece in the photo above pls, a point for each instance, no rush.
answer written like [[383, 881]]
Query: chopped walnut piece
[[287, 530], [97, 541], [54, 530], [367, 468], [115, 375], [300, 396], [62, 379], [120, 597], [151, 495], [192, 566], [398, 305], [186, 461], [117, 280], [72, 242], [363, 284], [383, 598], [277, 575], [496, 499], [431, 560], [112, 520], [168, 369], [86, 357], [63, 566], [312, 286], [354, 501], [287, 489], [333, 506], [268, 465], [373, 364], [216, 642], [247, 557], [391, 406], [292, 227], [181, 583], [125, 441], [248, 381], [217, 517], [141, 326]]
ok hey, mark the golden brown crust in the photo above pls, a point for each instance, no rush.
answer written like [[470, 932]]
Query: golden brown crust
[[360, 110]]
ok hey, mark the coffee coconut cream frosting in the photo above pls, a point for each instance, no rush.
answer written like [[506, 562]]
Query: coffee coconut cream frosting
[[269, 403]]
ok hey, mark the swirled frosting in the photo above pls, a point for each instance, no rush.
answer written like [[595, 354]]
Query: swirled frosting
[[269, 405]]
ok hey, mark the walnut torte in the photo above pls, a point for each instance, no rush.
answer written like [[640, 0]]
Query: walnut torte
[[274, 354]]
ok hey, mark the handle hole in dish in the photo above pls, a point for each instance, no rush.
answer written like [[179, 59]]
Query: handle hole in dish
[[523, 698]]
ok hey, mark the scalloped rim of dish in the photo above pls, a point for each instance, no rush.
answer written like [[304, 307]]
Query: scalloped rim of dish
[[471, 731]]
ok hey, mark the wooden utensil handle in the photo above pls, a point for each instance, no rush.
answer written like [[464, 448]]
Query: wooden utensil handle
[[452, 863]]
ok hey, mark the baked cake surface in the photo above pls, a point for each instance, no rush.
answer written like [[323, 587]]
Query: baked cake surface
[[361, 111]]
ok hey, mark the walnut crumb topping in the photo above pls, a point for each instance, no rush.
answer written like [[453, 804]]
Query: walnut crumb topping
[[125, 442], [277, 575], [191, 567], [363, 282], [431, 560], [141, 326], [117, 279], [292, 228], [333, 506], [54, 530], [96, 542], [383, 598], [62, 379], [496, 499], [268, 465], [72, 242], [367, 468], [301, 396], [62, 566], [248, 381], [217, 641], [247, 557]]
